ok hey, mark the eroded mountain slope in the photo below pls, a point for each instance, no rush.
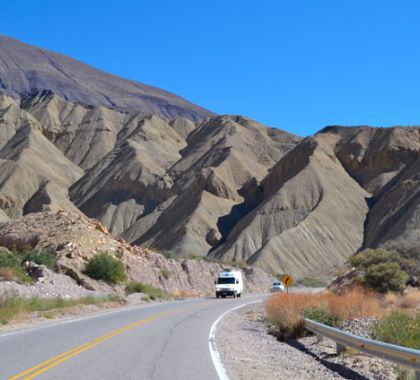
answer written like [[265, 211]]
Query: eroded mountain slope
[[227, 186], [311, 216]]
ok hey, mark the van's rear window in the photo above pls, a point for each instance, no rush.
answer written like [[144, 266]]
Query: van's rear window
[[226, 280]]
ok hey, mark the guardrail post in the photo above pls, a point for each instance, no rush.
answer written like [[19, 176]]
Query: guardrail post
[[417, 375], [340, 348], [320, 338]]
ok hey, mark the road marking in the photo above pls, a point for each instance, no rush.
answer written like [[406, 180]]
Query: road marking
[[126, 309], [215, 357], [52, 362]]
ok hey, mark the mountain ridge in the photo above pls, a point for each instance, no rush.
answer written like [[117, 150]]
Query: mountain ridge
[[25, 69]]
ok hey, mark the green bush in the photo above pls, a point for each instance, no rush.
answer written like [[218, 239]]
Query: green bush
[[385, 277], [169, 255], [382, 270], [105, 267], [368, 257], [150, 291], [9, 260], [399, 328], [11, 267], [322, 315], [40, 257]]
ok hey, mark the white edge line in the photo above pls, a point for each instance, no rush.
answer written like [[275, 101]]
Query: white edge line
[[98, 314], [215, 357]]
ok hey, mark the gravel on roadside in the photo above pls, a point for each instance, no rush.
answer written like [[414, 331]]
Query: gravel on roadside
[[249, 353]]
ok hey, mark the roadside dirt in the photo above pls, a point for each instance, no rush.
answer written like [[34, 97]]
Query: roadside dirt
[[249, 353]]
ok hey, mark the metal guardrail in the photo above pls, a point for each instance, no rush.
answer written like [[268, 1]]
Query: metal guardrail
[[403, 356]]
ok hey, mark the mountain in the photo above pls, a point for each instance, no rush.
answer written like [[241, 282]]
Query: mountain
[[223, 187], [344, 189], [26, 69]]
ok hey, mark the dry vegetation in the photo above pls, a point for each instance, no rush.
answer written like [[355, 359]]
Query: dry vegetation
[[12, 307], [285, 312]]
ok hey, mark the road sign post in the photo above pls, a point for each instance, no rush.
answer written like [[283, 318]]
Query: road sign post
[[287, 280]]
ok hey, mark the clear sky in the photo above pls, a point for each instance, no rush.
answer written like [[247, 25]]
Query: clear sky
[[295, 65]]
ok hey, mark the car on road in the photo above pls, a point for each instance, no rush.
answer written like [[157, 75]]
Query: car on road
[[229, 283], [278, 286]]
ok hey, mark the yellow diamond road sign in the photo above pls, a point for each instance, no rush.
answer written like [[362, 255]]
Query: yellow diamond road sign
[[287, 280]]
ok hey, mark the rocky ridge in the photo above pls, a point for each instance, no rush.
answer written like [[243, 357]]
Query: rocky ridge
[[74, 239]]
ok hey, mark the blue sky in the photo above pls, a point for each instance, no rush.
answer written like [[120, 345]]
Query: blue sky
[[295, 65]]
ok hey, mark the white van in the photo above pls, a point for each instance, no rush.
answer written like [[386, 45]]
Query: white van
[[229, 283]]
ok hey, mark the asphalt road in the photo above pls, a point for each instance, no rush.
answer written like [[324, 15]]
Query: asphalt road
[[160, 341]]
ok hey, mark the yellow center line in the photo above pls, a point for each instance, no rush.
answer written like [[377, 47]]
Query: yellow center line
[[52, 362]]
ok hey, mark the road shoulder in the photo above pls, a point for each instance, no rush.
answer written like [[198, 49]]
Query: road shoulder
[[248, 352]]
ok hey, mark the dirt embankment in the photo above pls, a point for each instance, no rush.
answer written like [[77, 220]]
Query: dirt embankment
[[74, 239]]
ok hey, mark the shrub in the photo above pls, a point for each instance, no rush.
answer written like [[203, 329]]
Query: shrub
[[322, 315], [368, 257], [285, 311], [399, 328], [383, 270], [165, 273], [105, 267], [40, 257], [10, 265], [385, 277], [150, 291]]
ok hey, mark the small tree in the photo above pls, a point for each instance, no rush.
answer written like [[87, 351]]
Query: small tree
[[105, 267], [382, 270], [385, 277]]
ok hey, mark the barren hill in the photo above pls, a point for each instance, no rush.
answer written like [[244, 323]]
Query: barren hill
[[26, 69]]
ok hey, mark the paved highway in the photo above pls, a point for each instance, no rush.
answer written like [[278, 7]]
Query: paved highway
[[160, 341]]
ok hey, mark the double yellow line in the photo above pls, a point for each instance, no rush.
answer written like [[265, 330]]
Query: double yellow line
[[50, 363]]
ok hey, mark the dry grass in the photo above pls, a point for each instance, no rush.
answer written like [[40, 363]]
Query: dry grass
[[12, 306], [180, 294], [285, 311], [357, 303], [410, 300], [9, 274], [390, 300], [395, 301]]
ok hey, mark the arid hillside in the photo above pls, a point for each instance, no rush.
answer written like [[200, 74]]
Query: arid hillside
[[74, 239], [26, 69]]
